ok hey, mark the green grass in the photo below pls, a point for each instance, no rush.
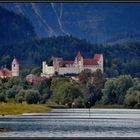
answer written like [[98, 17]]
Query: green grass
[[15, 108]]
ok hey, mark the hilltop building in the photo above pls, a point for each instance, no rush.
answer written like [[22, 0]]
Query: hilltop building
[[5, 72], [61, 66]]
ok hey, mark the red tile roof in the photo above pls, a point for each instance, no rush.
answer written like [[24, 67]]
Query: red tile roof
[[33, 78], [97, 56], [90, 62], [5, 72]]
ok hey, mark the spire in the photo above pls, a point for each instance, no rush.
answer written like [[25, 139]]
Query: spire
[[15, 61], [78, 56]]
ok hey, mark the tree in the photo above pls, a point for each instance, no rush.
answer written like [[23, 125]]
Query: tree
[[5, 60], [11, 93], [98, 81], [132, 98], [44, 89], [20, 97], [24, 72], [36, 71], [111, 72], [32, 96], [92, 94], [110, 92], [56, 83], [68, 92], [124, 82], [79, 102], [85, 75], [116, 88], [2, 97]]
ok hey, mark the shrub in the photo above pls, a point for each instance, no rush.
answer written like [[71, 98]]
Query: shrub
[[32, 96]]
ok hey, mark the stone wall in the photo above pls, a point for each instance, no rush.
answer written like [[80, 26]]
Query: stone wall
[[69, 70]]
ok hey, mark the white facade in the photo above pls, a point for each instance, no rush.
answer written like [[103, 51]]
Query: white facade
[[72, 67], [15, 68]]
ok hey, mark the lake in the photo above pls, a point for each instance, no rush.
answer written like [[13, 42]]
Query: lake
[[74, 123]]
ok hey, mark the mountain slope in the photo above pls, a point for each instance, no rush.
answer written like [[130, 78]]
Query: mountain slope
[[98, 22], [14, 27]]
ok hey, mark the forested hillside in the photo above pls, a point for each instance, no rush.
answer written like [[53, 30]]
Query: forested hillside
[[14, 27], [118, 59]]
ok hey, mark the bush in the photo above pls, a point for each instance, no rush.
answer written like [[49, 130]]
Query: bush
[[79, 102], [20, 97], [130, 100], [2, 97], [32, 96]]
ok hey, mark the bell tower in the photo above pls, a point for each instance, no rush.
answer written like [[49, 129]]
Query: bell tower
[[15, 68]]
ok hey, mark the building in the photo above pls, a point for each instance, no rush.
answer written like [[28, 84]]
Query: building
[[5, 72], [15, 68], [31, 78], [62, 67]]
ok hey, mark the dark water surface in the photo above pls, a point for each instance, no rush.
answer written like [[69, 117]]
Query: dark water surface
[[74, 123]]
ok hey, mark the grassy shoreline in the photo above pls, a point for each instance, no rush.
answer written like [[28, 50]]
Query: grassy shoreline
[[18, 109]]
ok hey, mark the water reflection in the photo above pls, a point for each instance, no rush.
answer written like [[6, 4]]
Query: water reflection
[[74, 123]]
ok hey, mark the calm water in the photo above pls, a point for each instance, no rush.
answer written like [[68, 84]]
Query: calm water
[[74, 123]]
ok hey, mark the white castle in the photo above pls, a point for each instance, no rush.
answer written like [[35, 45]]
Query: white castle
[[62, 67]]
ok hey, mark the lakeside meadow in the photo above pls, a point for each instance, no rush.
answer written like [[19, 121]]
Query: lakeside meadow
[[18, 109]]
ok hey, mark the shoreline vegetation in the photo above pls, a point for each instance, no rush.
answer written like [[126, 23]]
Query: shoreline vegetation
[[24, 108], [19, 109], [91, 90]]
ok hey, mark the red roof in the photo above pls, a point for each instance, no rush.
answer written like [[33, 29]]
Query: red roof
[[90, 62], [33, 78], [97, 56], [5, 72]]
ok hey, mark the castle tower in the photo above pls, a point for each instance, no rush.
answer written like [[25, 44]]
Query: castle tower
[[79, 61], [15, 68], [44, 67]]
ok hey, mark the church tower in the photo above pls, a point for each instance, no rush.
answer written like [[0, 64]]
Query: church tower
[[15, 68]]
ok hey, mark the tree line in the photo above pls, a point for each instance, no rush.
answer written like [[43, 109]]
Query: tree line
[[91, 89]]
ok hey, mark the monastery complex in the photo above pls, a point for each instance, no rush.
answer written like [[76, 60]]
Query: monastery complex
[[61, 66]]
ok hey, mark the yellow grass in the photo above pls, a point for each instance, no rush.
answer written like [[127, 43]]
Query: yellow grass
[[14, 108]]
